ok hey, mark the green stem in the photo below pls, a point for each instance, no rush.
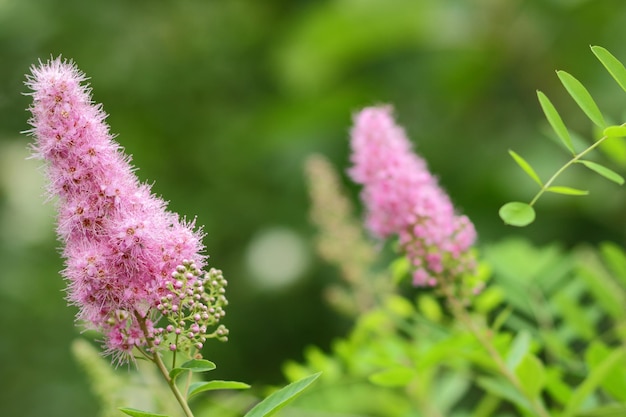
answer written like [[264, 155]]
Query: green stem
[[156, 358], [460, 312], [572, 161]]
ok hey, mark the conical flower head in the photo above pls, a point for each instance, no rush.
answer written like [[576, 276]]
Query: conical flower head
[[403, 198], [121, 245]]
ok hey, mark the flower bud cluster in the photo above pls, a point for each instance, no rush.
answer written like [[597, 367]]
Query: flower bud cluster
[[192, 309]]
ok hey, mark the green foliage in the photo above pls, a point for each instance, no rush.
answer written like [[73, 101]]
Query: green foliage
[[554, 327], [518, 214]]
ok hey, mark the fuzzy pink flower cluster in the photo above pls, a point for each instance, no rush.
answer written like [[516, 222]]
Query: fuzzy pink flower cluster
[[403, 198], [121, 245]]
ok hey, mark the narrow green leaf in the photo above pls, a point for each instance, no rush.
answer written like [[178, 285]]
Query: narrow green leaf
[[393, 377], [555, 121], [282, 397], [615, 131], [604, 171], [566, 190], [613, 410], [198, 387], [517, 214], [612, 64], [582, 97], [400, 269], [614, 382], [503, 389], [518, 349], [558, 389], [531, 374], [194, 365], [138, 413], [526, 167], [591, 383], [615, 259]]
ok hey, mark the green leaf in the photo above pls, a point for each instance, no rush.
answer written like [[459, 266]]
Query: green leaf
[[613, 410], [555, 121], [517, 214], [282, 397], [503, 389], [591, 383], [429, 307], [531, 374], [393, 377], [604, 171], [194, 365], [526, 167], [615, 258], [615, 150], [614, 382], [615, 131], [198, 387], [138, 413], [566, 190], [600, 284], [399, 306], [582, 97], [519, 348], [489, 299], [612, 64], [400, 269], [559, 390]]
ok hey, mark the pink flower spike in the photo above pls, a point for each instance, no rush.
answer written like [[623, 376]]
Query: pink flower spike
[[121, 245], [403, 198]]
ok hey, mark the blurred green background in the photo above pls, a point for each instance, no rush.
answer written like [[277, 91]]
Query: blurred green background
[[220, 102]]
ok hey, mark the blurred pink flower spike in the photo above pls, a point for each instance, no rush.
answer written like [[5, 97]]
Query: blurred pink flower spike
[[403, 198]]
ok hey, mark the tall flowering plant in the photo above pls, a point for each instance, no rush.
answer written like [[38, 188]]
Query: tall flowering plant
[[135, 270]]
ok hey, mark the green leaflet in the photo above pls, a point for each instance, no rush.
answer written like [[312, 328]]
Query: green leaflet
[[612, 64], [280, 398], [393, 377], [566, 190], [503, 389], [604, 171], [526, 167], [198, 387], [518, 350], [591, 383], [582, 97], [618, 131], [517, 214], [531, 374], [555, 121], [194, 365], [138, 413]]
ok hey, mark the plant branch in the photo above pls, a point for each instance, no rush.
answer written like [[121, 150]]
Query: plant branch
[[460, 312], [156, 358], [569, 163]]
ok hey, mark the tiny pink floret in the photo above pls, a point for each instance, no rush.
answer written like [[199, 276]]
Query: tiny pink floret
[[403, 198], [121, 245]]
